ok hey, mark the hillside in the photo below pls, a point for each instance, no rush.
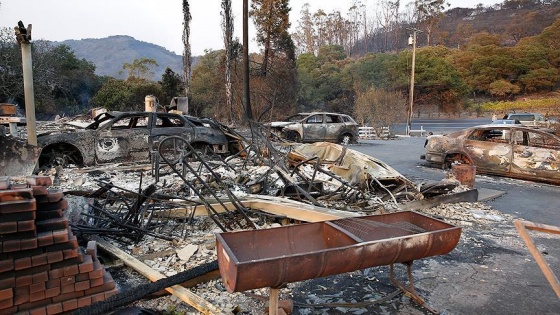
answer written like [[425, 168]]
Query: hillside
[[510, 20], [109, 54]]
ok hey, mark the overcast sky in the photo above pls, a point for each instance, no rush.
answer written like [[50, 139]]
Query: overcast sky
[[157, 22]]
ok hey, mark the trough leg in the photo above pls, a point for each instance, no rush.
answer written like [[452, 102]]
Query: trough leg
[[273, 302], [410, 290]]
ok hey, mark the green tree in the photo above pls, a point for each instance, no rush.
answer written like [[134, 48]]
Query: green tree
[[324, 83], [330, 53], [484, 61], [140, 68], [62, 82], [308, 76], [375, 70], [503, 88], [125, 95], [11, 77], [207, 86], [171, 85], [540, 79], [75, 80], [437, 81], [271, 18]]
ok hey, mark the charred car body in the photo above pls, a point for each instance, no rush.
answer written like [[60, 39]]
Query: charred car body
[[506, 150], [317, 127], [115, 137]]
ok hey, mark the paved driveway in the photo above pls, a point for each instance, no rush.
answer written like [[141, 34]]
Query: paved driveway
[[491, 270]]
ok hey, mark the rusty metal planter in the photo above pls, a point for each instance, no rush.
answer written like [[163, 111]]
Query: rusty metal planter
[[272, 257]]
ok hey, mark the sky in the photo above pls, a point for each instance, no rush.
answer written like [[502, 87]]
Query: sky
[[157, 22]]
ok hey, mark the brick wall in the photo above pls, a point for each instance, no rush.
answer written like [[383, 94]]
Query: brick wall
[[42, 268]]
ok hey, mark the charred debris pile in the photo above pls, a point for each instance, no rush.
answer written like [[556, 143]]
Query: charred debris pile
[[171, 206], [183, 186]]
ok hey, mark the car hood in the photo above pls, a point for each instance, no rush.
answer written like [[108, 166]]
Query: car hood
[[353, 166]]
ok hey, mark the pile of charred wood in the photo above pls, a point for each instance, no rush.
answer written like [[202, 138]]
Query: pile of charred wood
[[189, 183]]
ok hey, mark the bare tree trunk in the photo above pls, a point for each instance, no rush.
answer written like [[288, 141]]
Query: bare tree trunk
[[266, 55], [187, 45], [227, 25], [246, 91]]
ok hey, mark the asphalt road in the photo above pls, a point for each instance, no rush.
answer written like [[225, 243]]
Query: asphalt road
[[440, 126], [491, 270], [531, 201]]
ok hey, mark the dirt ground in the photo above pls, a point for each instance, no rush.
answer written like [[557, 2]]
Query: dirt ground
[[489, 272]]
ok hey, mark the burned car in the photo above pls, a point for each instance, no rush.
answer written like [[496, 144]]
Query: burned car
[[317, 127], [115, 137], [506, 150]]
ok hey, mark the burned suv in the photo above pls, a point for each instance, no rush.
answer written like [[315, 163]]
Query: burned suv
[[116, 137], [316, 127], [530, 119]]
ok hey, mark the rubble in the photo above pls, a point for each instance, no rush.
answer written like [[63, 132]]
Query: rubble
[[168, 221]]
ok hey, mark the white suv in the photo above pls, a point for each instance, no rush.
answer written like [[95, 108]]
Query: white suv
[[529, 119]]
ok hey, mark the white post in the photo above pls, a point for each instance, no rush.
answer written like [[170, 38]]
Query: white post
[[23, 37], [29, 93]]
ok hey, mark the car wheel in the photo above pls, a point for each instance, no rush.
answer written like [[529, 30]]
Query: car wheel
[[345, 139], [453, 159], [293, 136], [59, 158], [204, 151], [60, 155]]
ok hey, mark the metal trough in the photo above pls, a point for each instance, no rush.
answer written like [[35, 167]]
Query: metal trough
[[272, 257]]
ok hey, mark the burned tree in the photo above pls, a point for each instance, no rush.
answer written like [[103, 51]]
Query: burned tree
[[186, 42], [271, 19], [227, 26]]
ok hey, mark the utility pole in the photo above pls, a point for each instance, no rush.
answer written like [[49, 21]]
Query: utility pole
[[23, 37], [411, 41]]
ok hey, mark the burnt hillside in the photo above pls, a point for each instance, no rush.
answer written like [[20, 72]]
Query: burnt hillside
[[511, 23], [458, 25]]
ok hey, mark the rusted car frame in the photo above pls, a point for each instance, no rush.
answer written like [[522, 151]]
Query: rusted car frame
[[506, 150], [317, 127], [127, 137]]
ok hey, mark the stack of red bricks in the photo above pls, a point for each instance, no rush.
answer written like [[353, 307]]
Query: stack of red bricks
[[42, 268]]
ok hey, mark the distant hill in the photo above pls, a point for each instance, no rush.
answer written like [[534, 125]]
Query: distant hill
[[109, 54]]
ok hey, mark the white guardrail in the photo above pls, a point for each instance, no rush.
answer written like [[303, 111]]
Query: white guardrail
[[368, 133]]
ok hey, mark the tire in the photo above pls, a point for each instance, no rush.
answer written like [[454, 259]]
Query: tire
[[59, 158], [203, 150], [450, 160], [60, 155], [293, 136]]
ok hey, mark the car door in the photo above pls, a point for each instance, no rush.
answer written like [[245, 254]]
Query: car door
[[536, 155], [334, 127], [124, 139], [490, 149], [314, 128]]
